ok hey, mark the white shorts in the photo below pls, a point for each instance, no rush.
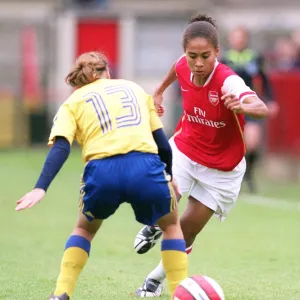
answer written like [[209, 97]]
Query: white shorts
[[216, 189]]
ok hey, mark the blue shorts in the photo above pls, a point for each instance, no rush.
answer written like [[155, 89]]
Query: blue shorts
[[136, 178]]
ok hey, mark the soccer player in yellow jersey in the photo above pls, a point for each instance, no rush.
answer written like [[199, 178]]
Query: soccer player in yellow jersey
[[128, 159]]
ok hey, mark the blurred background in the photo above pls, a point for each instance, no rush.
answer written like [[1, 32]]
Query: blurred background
[[40, 40]]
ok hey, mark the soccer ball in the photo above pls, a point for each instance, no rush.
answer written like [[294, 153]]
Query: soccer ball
[[199, 288]]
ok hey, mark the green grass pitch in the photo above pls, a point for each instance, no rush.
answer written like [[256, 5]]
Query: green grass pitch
[[254, 254]]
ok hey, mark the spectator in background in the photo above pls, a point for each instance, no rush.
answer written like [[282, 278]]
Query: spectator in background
[[286, 54], [295, 36], [85, 3], [249, 65]]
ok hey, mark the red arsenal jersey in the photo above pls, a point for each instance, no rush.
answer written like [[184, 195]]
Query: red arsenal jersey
[[209, 133]]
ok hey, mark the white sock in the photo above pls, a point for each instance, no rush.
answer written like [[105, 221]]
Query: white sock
[[159, 273]]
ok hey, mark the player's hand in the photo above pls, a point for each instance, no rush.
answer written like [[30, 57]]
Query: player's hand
[[232, 102], [30, 199], [273, 109], [158, 99], [175, 187], [160, 111]]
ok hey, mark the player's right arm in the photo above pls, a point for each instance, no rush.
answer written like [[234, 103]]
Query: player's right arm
[[241, 99], [61, 138], [169, 78]]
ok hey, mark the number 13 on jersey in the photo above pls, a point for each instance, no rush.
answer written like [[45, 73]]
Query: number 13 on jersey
[[132, 113]]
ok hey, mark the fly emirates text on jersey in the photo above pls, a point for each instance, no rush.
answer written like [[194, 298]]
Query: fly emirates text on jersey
[[200, 118]]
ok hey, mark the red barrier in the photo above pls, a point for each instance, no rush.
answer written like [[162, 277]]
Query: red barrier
[[99, 35], [284, 131]]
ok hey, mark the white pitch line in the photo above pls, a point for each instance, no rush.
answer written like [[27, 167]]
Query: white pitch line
[[271, 202]]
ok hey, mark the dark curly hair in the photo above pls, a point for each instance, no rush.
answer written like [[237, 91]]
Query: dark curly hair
[[201, 26]]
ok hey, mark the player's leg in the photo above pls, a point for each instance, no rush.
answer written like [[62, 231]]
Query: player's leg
[[217, 193], [153, 200], [75, 256], [193, 220], [174, 260], [174, 257], [148, 236], [173, 252], [253, 137], [97, 203]]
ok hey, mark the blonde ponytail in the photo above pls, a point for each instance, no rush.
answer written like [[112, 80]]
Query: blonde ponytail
[[88, 68]]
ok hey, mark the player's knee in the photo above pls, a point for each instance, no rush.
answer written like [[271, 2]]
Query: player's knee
[[83, 233], [170, 219], [86, 228], [170, 226], [172, 231]]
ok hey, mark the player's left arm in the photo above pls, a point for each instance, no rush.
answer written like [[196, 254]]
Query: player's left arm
[[241, 99], [253, 107], [61, 137], [57, 156]]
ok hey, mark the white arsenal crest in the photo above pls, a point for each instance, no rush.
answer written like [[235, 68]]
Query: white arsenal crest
[[213, 97]]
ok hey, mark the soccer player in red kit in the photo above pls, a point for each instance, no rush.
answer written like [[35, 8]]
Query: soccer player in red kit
[[208, 145]]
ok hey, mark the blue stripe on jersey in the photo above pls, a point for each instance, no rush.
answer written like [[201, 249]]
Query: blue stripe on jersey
[[103, 110], [99, 118], [100, 108]]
